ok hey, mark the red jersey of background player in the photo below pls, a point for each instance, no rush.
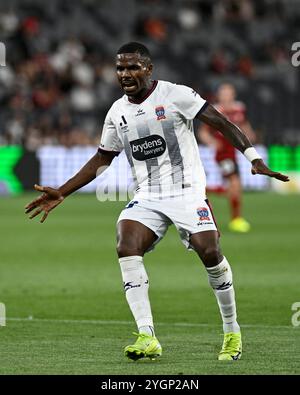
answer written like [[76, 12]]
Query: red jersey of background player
[[225, 153], [236, 113]]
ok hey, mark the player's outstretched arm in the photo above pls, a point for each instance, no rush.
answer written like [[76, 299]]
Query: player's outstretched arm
[[212, 117], [52, 197]]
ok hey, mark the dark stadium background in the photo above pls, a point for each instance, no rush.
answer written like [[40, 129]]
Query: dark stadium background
[[59, 79], [55, 89]]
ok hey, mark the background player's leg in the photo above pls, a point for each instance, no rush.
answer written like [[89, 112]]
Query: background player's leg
[[234, 195], [206, 244], [234, 192], [134, 239]]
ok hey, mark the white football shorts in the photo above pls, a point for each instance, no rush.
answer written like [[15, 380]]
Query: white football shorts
[[190, 214]]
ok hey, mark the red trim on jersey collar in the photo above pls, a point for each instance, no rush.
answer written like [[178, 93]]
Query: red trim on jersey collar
[[154, 85]]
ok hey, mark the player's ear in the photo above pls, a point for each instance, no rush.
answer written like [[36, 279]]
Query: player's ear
[[149, 69]]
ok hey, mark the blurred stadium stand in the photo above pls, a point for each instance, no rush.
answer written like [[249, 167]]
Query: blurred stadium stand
[[59, 79]]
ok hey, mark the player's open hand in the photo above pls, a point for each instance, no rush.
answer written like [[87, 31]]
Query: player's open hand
[[259, 167], [46, 202]]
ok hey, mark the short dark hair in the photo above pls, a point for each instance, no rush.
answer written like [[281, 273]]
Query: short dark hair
[[134, 47]]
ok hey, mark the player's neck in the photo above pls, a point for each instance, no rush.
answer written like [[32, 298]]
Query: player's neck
[[227, 105]]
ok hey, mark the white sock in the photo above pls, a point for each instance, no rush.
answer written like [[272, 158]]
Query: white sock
[[147, 329], [220, 279], [136, 285]]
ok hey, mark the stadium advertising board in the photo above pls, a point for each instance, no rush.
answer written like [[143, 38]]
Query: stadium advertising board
[[53, 165]]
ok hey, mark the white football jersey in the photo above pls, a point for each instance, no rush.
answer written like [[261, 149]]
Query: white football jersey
[[158, 138]]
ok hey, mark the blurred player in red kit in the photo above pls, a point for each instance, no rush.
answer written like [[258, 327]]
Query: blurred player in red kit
[[235, 111]]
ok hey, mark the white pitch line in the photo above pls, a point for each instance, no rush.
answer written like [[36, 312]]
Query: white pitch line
[[114, 322]]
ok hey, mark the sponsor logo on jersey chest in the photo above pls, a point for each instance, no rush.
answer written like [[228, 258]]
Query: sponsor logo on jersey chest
[[123, 124], [160, 113], [148, 147]]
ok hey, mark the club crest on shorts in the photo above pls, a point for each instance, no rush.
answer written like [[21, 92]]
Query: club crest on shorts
[[160, 112], [203, 214]]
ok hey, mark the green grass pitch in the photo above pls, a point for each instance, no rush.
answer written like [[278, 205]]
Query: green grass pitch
[[66, 310]]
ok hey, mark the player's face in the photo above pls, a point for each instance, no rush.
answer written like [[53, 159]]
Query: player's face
[[226, 94], [134, 74]]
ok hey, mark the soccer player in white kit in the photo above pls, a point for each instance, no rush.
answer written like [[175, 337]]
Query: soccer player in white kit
[[153, 123]]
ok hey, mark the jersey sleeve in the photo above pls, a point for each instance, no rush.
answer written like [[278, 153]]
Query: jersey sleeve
[[187, 101], [110, 140]]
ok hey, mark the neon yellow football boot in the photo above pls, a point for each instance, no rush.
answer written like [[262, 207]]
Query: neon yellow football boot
[[145, 346], [239, 225], [232, 347]]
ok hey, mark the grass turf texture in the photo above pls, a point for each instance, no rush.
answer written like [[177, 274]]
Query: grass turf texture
[[65, 276]]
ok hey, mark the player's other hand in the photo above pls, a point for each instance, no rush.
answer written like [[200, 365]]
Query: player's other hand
[[44, 203], [259, 167]]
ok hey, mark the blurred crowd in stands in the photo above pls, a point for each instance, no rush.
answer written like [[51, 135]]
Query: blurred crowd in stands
[[59, 79]]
